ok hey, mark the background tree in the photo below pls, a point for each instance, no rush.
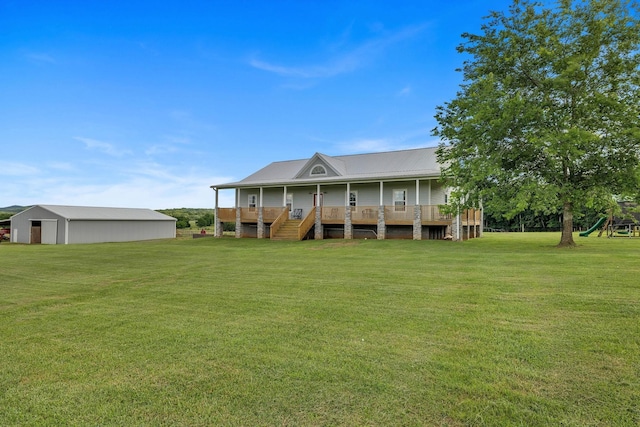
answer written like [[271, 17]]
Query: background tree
[[182, 221], [548, 114], [206, 220]]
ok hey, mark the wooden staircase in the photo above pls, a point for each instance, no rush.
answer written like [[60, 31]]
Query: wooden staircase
[[288, 230]]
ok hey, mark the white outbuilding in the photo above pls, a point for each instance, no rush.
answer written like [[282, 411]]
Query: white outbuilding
[[52, 224]]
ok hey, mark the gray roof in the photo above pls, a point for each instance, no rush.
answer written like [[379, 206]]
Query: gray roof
[[420, 162], [99, 213]]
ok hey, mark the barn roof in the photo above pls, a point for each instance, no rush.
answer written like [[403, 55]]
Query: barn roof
[[418, 162], [100, 213]]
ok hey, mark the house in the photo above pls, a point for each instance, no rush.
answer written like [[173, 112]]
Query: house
[[387, 195], [51, 224]]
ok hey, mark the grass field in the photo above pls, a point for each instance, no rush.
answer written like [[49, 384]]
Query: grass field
[[503, 330]]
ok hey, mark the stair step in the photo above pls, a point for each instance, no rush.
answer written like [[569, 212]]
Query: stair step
[[288, 230]]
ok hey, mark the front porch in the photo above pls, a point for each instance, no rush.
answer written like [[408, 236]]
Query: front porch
[[350, 222]]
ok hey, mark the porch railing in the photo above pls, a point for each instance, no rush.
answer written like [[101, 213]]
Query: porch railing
[[249, 214], [398, 214], [271, 214], [227, 214], [359, 214], [434, 213], [471, 217], [333, 214], [277, 223], [364, 215], [307, 223]]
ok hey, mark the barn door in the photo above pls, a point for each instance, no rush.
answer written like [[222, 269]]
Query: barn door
[[36, 232], [49, 232]]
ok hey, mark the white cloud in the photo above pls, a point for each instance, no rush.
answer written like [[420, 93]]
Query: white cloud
[[150, 188], [40, 58], [105, 147], [406, 141], [366, 146], [123, 183], [405, 91], [18, 169], [340, 63], [61, 166], [160, 149], [173, 144]]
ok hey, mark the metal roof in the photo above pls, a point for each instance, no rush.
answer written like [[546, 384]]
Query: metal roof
[[100, 213], [420, 162]]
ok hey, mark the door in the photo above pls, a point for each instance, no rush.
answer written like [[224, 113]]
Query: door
[[49, 232], [36, 232], [315, 199]]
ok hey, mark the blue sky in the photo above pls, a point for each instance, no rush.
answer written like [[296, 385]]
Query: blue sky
[[148, 103]]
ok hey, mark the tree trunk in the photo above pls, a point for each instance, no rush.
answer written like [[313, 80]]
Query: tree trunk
[[566, 240]]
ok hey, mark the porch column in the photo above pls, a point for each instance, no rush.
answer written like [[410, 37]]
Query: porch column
[[318, 224], [217, 231], [382, 227], [238, 215], [481, 230], [457, 223], [284, 199], [417, 215], [260, 217], [348, 228]]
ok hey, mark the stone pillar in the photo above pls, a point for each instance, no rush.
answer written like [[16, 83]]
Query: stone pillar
[[238, 223], [455, 228], [318, 225], [218, 227], [417, 223], [260, 223], [348, 227], [382, 226]]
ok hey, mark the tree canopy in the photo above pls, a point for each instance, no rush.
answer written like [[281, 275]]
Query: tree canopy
[[548, 114]]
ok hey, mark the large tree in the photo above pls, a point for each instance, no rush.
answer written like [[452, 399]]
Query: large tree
[[548, 114]]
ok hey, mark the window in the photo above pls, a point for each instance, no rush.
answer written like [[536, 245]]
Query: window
[[399, 199], [353, 200], [252, 202], [318, 170]]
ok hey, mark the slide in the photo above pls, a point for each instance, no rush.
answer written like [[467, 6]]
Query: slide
[[594, 228]]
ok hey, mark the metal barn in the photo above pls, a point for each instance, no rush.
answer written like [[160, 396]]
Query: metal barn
[[51, 224]]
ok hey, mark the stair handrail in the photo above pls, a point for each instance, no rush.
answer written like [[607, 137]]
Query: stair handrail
[[275, 225], [307, 223]]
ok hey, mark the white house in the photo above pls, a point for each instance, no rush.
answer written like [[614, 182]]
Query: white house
[[51, 224], [394, 194]]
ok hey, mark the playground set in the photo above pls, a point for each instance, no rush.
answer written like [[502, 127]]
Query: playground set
[[627, 225]]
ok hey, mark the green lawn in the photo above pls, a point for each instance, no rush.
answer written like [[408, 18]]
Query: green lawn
[[503, 330]]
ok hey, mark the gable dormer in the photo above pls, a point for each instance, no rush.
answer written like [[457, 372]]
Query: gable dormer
[[321, 166]]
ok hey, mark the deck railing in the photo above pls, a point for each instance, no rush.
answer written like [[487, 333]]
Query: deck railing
[[307, 223], [398, 214], [359, 214], [364, 215], [227, 214], [249, 214], [471, 217], [333, 214], [434, 213], [271, 214], [277, 223]]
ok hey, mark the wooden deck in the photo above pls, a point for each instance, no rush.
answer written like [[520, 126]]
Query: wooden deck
[[360, 215]]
